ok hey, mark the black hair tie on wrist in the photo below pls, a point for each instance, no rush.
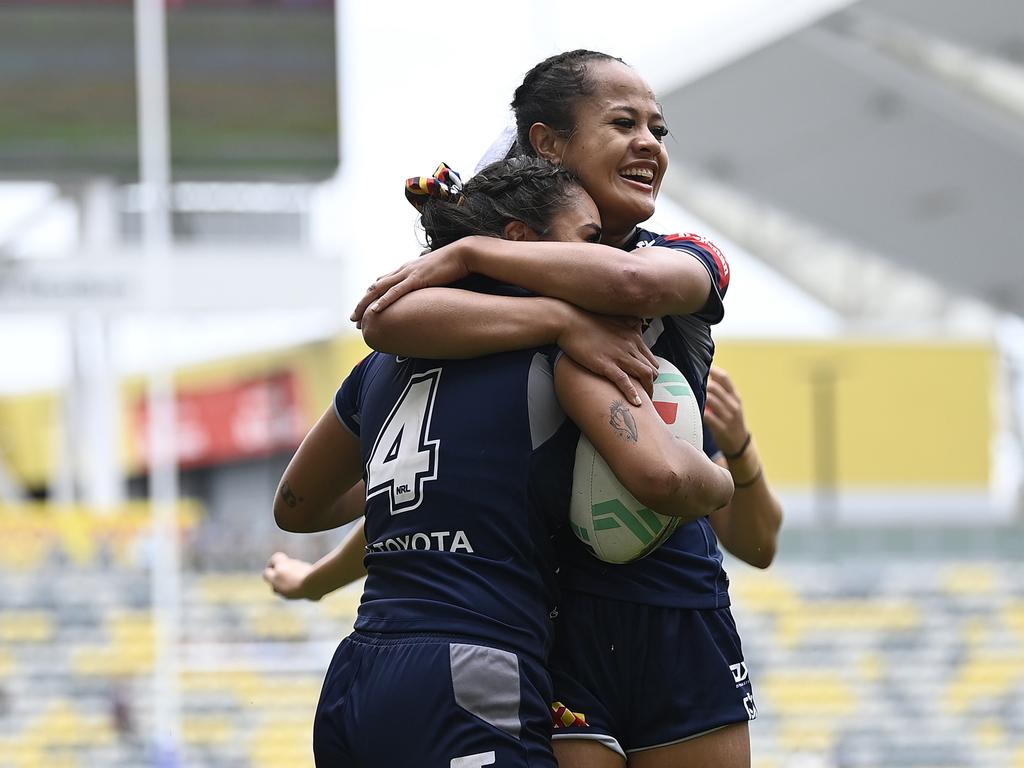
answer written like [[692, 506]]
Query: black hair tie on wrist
[[751, 481], [741, 451]]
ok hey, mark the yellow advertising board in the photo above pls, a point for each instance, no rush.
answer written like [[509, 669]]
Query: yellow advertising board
[[850, 414], [875, 414]]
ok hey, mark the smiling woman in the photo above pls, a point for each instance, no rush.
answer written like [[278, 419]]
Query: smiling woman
[[470, 446], [614, 142], [594, 115]]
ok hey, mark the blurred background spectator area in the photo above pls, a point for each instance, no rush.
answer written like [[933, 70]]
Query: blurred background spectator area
[[861, 163], [252, 89], [838, 450]]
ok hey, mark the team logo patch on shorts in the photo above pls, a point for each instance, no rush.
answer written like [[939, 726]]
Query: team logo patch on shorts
[[563, 717], [741, 676]]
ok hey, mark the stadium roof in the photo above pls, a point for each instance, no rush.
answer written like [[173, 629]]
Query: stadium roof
[[894, 126]]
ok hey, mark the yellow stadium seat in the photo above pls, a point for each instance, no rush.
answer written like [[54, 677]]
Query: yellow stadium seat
[[23, 553], [807, 737], [1014, 613], [114, 661], [969, 579], [62, 725], [982, 678], [208, 730], [829, 617], [244, 589], [283, 747], [762, 591], [344, 603], [26, 626], [991, 734], [808, 693], [278, 623]]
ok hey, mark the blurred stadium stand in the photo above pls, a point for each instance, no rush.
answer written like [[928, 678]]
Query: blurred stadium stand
[[870, 657], [870, 154], [76, 648], [252, 89], [867, 661]]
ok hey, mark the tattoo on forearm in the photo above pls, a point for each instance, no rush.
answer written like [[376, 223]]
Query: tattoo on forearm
[[622, 421], [289, 496]]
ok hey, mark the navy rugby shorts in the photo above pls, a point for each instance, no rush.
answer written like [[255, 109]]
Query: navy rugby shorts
[[636, 677], [426, 701]]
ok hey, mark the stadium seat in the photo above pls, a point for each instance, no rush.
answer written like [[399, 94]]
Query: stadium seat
[[902, 664]]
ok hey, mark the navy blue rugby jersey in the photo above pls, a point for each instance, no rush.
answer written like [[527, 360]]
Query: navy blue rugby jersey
[[686, 571], [459, 541]]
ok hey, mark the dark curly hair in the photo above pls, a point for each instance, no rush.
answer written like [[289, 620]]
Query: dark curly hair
[[525, 189], [549, 92]]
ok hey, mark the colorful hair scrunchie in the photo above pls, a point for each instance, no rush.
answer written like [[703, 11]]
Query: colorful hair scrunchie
[[444, 184]]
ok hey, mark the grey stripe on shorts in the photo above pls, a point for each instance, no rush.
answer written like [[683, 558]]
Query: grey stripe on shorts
[[486, 684]]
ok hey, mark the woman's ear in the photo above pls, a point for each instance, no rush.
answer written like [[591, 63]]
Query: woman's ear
[[547, 143], [517, 230]]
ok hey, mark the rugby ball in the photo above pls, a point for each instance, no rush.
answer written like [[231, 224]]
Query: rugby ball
[[606, 517]]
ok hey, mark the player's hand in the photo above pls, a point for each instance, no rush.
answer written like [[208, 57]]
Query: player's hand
[[431, 270], [287, 576], [611, 347], [723, 412]]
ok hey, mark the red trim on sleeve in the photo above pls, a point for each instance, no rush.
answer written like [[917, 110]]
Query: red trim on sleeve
[[720, 261]]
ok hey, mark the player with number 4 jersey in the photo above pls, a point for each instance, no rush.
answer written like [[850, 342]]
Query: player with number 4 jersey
[[625, 694], [453, 627], [450, 643]]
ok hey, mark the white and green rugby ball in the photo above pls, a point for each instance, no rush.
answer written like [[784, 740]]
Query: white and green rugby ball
[[606, 517]]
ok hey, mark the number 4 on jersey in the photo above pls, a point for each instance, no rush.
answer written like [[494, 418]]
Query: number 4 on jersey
[[403, 456]]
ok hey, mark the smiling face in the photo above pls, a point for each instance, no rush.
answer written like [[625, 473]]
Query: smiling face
[[616, 148]]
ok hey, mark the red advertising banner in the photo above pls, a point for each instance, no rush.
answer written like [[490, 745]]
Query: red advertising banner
[[238, 421]]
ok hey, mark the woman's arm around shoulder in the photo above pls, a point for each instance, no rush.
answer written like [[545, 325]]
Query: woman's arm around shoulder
[[450, 323], [646, 282]]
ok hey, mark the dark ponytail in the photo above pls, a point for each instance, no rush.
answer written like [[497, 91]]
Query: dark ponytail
[[549, 92], [525, 189]]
